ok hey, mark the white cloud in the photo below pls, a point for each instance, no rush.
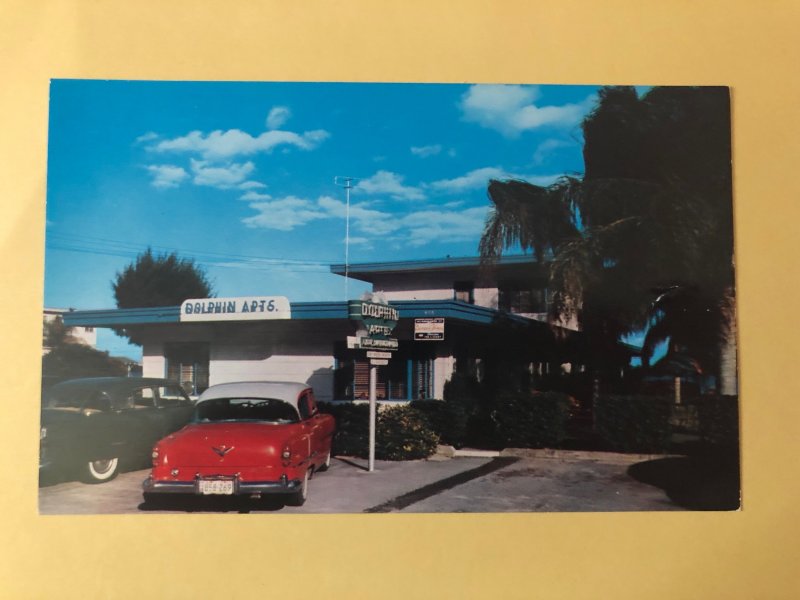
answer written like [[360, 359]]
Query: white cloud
[[251, 185], [479, 178], [218, 176], [255, 196], [278, 116], [147, 137], [360, 241], [234, 142], [284, 214], [475, 179], [426, 151], [366, 220], [547, 147], [386, 182], [167, 176], [430, 226], [512, 109]]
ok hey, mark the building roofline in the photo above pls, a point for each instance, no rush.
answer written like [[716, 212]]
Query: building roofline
[[409, 309], [427, 264]]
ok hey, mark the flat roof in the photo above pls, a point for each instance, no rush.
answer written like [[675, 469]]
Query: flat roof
[[366, 271], [409, 309]]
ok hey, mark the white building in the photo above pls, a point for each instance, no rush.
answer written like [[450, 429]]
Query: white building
[[470, 315], [81, 334]]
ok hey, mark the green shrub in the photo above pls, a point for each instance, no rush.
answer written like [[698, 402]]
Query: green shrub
[[719, 420], [352, 428], [435, 413], [462, 400], [634, 423], [403, 433], [531, 420]]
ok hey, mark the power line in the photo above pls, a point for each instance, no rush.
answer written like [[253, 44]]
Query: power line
[[106, 247]]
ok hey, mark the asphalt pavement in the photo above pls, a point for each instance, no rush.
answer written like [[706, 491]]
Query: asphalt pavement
[[526, 483]]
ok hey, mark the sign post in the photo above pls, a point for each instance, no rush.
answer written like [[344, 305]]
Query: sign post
[[373, 414], [379, 319]]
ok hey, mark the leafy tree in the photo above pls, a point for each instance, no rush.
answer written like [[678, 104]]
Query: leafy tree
[[67, 358], [158, 280], [644, 240], [56, 334], [77, 360]]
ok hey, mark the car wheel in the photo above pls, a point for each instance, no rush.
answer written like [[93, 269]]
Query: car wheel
[[327, 464], [301, 495], [98, 471]]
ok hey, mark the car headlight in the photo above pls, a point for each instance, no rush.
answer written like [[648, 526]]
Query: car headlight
[[42, 433]]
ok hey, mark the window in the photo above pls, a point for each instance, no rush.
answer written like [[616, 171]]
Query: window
[[245, 409], [404, 378], [187, 363], [141, 398], [171, 395], [464, 291], [523, 300]]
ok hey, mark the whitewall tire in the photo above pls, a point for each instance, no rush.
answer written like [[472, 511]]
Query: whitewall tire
[[98, 471], [299, 497]]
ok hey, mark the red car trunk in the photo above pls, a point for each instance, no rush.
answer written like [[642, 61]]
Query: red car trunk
[[227, 445]]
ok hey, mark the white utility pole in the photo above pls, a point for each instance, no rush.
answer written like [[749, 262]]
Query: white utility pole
[[347, 184]]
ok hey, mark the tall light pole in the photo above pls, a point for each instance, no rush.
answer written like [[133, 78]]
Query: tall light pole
[[347, 184]]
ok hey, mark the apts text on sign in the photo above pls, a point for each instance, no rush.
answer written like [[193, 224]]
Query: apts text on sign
[[379, 319], [247, 308]]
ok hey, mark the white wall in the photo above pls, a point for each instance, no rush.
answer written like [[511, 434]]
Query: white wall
[[251, 363], [153, 362], [426, 289], [443, 367]]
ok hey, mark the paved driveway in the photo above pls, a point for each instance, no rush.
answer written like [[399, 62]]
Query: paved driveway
[[462, 484]]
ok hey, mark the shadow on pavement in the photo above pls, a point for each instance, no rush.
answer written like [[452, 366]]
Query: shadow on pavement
[[191, 504], [352, 463], [694, 482]]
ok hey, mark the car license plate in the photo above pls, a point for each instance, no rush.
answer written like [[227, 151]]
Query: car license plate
[[216, 486]]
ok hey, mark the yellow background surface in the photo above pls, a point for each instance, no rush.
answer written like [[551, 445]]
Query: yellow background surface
[[752, 47]]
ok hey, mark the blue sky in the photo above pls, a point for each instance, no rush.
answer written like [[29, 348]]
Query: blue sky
[[240, 177]]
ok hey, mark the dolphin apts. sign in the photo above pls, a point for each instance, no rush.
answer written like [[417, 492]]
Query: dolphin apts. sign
[[378, 319], [248, 308]]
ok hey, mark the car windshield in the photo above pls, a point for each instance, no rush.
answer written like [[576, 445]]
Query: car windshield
[[73, 396], [245, 409]]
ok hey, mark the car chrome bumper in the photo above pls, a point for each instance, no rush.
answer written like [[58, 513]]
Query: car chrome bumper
[[240, 488]]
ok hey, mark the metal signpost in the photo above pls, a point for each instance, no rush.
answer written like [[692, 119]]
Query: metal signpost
[[376, 320]]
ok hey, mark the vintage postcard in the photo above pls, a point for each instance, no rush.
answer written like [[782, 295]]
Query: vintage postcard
[[352, 297]]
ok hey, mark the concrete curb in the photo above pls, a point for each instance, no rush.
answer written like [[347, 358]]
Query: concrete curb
[[444, 452], [577, 454]]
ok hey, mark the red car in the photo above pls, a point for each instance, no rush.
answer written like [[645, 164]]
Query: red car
[[249, 438]]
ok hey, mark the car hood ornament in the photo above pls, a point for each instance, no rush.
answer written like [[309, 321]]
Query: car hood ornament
[[222, 450]]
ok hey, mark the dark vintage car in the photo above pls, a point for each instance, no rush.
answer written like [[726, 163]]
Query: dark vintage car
[[249, 438], [91, 424]]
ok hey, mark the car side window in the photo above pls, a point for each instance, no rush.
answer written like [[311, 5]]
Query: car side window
[[172, 395], [141, 398], [98, 402], [303, 406], [312, 404]]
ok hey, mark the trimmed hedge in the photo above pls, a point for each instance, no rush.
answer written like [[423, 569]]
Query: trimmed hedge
[[352, 428], [402, 432], [531, 419], [634, 423], [719, 420]]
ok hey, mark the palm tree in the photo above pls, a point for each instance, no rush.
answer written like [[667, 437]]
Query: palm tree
[[642, 242]]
